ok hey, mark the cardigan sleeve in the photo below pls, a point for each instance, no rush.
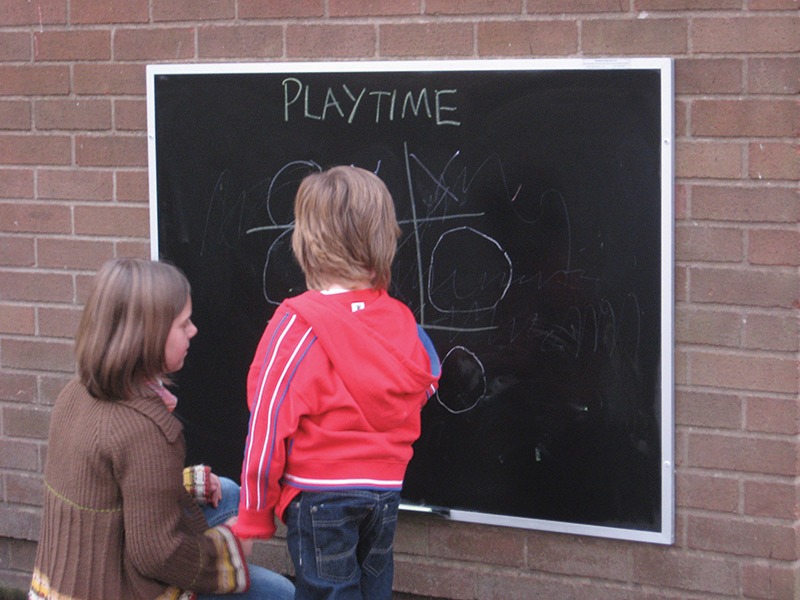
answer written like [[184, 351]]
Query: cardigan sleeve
[[166, 538]]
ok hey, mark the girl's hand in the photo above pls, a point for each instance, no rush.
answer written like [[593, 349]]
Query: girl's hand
[[214, 490]]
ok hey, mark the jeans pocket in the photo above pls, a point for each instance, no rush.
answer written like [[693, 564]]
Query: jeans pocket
[[335, 541], [380, 551]]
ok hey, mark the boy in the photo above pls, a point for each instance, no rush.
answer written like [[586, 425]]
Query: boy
[[335, 393]]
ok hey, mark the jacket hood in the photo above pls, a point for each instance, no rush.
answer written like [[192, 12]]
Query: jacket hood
[[369, 363]]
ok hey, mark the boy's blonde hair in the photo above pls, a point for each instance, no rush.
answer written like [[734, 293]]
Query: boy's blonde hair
[[124, 327], [345, 229]]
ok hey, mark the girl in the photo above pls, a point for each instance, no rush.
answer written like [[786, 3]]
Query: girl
[[117, 522]]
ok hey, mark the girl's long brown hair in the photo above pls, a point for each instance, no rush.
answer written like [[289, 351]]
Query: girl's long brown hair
[[120, 342]]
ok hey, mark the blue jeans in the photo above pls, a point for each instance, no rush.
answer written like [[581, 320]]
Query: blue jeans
[[264, 584], [341, 544]]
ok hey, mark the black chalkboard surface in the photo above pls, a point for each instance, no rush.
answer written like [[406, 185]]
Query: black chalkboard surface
[[535, 202]]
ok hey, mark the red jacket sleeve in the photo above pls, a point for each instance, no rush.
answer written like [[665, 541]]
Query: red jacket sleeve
[[273, 420]]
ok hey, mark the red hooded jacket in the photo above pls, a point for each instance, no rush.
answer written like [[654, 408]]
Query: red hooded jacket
[[335, 393]]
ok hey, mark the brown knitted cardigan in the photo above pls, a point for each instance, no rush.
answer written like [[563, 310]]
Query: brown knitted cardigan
[[117, 520]]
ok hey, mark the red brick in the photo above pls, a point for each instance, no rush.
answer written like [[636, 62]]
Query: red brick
[[771, 332], [52, 384], [42, 12], [132, 186], [412, 534], [154, 44], [365, 8], [21, 525], [744, 287], [775, 247], [714, 160], [72, 114], [468, 7], [431, 578], [681, 118], [75, 184], [769, 581], [708, 409], [771, 499], [112, 221], [772, 415], [130, 115], [330, 41], [579, 556], [708, 76], [59, 253], [258, 9], [772, 5], [773, 75], [32, 80], [193, 10], [746, 204], [255, 41], [26, 422], [34, 218], [17, 387], [18, 149], [38, 355], [15, 46], [753, 372], [742, 118], [83, 12], [111, 79], [523, 38], [680, 208], [83, 284], [774, 161], [707, 491], [22, 455], [680, 376], [17, 252], [736, 453], [673, 5], [524, 586], [743, 538], [111, 151], [58, 322], [665, 568], [697, 242], [708, 327], [15, 114], [17, 320], [72, 45], [16, 183], [24, 489], [757, 34], [634, 37], [35, 287], [449, 541], [134, 248], [426, 39]]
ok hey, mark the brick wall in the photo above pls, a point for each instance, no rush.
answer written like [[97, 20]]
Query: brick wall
[[73, 192]]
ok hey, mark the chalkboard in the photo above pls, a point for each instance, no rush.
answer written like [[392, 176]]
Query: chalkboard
[[535, 200]]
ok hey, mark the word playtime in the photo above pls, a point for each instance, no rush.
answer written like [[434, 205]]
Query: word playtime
[[300, 101]]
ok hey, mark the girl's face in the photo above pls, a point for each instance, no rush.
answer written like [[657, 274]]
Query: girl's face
[[180, 333]]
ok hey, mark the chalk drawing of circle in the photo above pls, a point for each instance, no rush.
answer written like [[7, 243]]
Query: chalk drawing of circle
[[282, 277], [463, 381], [549, 205], [283, 187], [469, 272]]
